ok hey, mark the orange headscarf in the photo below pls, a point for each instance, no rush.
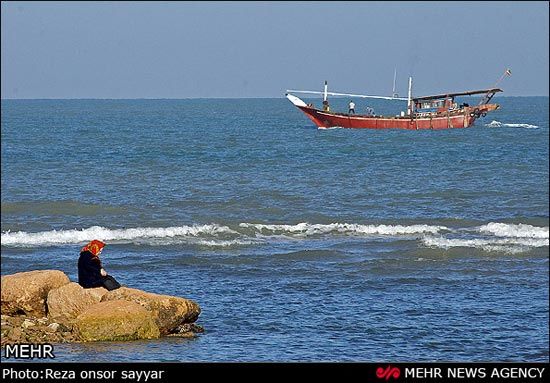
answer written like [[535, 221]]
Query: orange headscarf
[[94, 247]]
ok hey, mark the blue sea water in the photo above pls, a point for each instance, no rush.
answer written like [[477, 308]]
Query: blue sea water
[[299, 244]]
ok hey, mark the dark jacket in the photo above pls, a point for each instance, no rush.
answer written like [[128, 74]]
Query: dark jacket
[[89, 270]]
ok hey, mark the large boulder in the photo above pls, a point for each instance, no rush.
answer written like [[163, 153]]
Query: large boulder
[[115, 321], [69, 300], [168, 312], [26, 293]]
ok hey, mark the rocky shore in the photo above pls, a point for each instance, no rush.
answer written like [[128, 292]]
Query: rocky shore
[[44, 306]]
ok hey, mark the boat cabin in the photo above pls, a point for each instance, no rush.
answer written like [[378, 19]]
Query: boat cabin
[[440, 105], [446, 102]]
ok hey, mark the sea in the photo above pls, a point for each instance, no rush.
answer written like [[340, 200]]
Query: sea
[[299, 244]]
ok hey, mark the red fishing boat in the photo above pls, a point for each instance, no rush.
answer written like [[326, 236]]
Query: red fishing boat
[[429, 112]]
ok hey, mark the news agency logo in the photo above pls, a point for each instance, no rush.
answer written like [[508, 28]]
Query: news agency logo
[[388, 373], [29, 351]]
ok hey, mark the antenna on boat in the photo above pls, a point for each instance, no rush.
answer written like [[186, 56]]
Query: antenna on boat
[[325, 92], [394, 95]]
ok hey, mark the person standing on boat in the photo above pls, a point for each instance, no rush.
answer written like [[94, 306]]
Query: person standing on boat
[[351, 107], [90, 271]]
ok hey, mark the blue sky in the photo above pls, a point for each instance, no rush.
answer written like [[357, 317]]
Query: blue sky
[[259, 49]]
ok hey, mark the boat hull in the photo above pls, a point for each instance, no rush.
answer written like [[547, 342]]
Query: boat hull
[[462, 118]]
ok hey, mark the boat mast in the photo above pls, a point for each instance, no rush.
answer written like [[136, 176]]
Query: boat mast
[[393, 89], [326, 107], [409, 98]]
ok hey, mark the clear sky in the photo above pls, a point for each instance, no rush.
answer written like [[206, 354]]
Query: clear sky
[[260, 49]]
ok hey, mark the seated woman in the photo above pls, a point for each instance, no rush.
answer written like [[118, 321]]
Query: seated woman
[[90, 271]]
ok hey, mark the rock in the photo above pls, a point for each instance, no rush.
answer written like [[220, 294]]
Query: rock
[[70, 300], [26, 293], [15, 334], [190, 327], [168, 312], [63, 328], [116, 320], [27, 323], [45, 307], [187, 330], [5, 330]]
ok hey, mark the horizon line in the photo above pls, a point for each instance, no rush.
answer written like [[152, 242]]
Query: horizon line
[[184, 98], [133, 98]]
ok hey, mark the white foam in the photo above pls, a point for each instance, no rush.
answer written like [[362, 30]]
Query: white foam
[[308, 229], [54, 237], [498, 124], [491, 244], [226, 243], [514, 230], [494, 124], [493, 235], [506, 237]]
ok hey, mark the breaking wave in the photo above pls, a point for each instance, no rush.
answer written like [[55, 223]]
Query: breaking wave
[[491, 236], [54, 237], [494, 236], [514, 230], [308, 229], [498, 124], [507, 245], [208, 235]]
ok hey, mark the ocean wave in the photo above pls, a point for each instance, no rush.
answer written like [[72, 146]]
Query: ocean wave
[[514, 230], [225, 243], [509, 245], [210, 235], [201, 242], [309, 229], [493, 234], [498, 124], [55, 237]]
